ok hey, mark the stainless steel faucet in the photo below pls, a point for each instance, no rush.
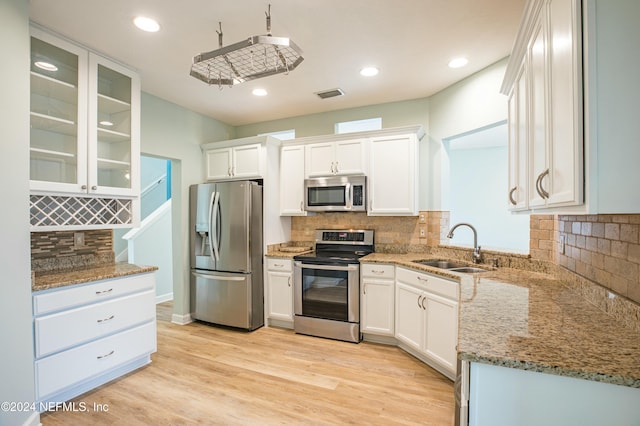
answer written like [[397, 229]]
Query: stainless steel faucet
[[477, 256]]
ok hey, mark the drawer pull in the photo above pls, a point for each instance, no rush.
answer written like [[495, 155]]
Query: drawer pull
[[422, 279], [375, 271], [107, 355], [104, 291], [106, 319], [278, 265]]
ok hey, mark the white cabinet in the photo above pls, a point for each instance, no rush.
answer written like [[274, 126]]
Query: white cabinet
[[377, 300], [545, 110], [426, 315], [335, 158], [85, 118], [88, 334], [292, 180], [237, 162], [518, 197], [280, 292], [393, 176]]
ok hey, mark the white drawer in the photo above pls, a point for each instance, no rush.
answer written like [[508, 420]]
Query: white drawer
[[96, 291], [377, 270], [284, 265], [65, 329], [429, 282], [56, 372]]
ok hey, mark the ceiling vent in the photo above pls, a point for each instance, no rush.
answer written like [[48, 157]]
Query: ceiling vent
[[330, 93]]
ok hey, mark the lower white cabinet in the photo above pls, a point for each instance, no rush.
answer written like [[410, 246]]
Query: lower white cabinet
[[426, 317], [377, 298], [280, 292], [88, 334]]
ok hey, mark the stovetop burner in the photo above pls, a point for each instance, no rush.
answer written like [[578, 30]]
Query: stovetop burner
[[339, 247]]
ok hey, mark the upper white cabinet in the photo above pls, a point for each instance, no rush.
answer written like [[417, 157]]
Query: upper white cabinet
[[335, 158], [292, 180], [571, 107], [85, 115], [393, 175], [545, 110], [237, 162]]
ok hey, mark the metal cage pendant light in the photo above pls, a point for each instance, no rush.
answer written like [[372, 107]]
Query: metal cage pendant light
[[250, 59]]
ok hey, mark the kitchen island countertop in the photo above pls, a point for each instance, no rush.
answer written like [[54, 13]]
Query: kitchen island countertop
[[535, 321]]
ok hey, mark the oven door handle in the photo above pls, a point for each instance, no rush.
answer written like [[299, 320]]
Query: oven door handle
[[350, 267]]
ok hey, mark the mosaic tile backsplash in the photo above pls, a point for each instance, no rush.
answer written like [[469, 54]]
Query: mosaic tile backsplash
[[53, 251]]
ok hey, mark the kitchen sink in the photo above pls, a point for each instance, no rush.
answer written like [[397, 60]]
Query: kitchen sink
[[467, 270], [450, 266], [442, 264]]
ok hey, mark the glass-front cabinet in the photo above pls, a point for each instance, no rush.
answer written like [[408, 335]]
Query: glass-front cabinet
[[84, 121]]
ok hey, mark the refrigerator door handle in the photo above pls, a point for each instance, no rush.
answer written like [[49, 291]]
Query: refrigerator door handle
[[218, 277], [213, 214]]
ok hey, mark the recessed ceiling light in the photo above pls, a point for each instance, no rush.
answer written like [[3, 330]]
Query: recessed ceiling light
[[369, 71], [146, 24], [458, 62], [45, 66], [259, 92]]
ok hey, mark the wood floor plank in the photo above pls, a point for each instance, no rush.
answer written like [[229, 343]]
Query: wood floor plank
[[212, 375]]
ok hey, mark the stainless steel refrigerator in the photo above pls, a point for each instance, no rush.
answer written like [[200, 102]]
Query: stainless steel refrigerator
[[226, 254]]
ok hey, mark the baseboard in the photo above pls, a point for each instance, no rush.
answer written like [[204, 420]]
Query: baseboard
[[33, 420], [374, 338], [181, 319], [164, 298], [280, 323]]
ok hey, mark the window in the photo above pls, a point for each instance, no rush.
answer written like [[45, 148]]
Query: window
[[283, 135], [478, 170], [359, 125]]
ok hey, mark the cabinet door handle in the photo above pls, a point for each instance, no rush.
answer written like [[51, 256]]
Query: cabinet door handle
[[229, 171], [83, 187], [337, 168], [301, 206], [544, 194], [106, 355], [289, 281], [364, 289], [104, 291], [94, 188], [419, 305], [511, 200], [424, 307], [333, 168], [106, 319]]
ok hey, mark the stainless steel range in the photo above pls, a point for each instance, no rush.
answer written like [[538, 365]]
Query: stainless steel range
[[327, 284]]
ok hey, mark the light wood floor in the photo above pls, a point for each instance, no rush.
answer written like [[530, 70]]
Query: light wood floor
[[210, 375]]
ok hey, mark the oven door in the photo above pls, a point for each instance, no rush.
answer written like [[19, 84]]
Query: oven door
[[328, 292]]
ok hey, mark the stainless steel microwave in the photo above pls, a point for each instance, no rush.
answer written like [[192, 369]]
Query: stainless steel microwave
[[336, 194]]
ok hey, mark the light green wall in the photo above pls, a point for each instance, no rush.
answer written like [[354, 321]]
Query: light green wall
[[176, 133], [394, 114], [16, 330], [472, 103]]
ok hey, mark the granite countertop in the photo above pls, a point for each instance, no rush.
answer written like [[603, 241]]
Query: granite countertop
[[49, 280], [535, 321], [287, 252]]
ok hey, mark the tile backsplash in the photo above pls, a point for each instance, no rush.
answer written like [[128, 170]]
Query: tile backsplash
[[602, 248], [392, 233], [51, 251]]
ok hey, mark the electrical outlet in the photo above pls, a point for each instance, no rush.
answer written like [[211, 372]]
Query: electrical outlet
[[78, 239], [422, 218], [423, 234]]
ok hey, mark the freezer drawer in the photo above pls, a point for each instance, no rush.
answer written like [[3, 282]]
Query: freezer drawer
[[225, 299]]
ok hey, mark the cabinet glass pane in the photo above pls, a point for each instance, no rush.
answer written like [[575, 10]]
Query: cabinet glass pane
[[114, 128], [54, 113]]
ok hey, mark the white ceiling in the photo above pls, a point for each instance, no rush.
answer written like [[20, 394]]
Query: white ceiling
[[411, 41]]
